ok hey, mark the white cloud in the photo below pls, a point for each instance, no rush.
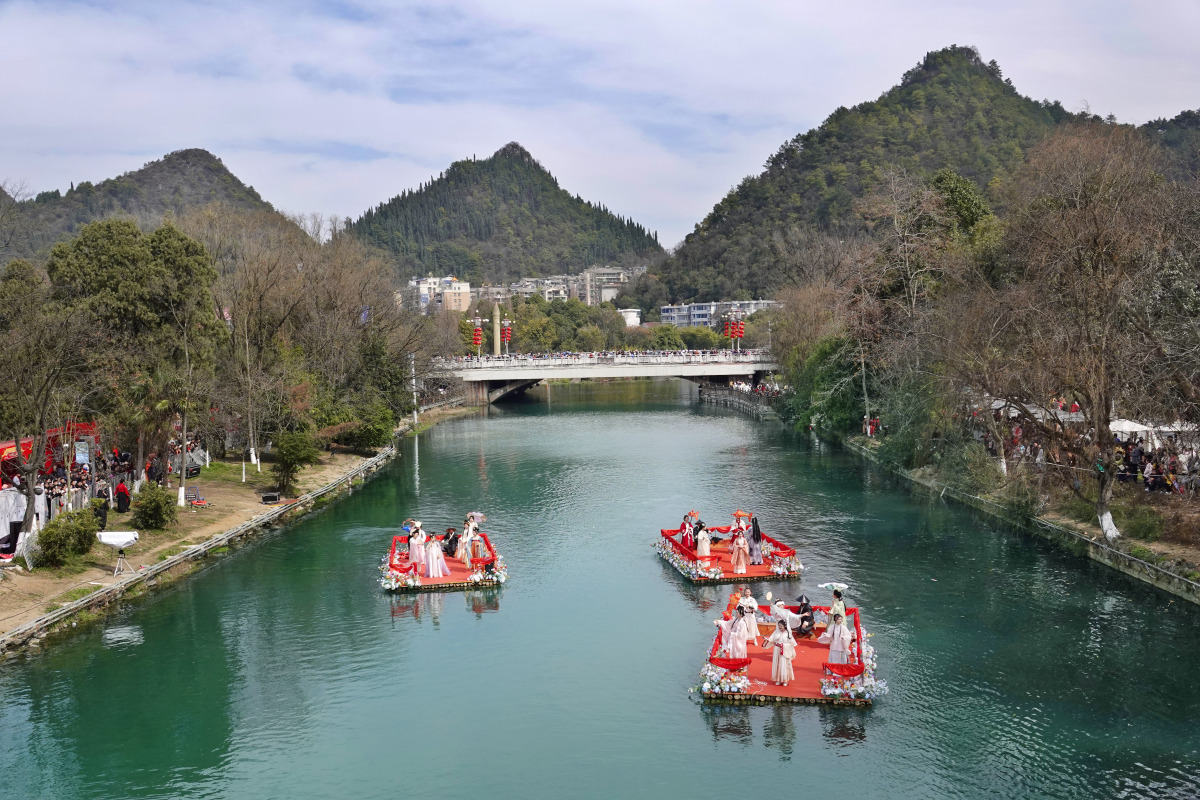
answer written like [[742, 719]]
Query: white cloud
[[653, 109]]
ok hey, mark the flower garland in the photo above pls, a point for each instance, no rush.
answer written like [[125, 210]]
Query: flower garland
[[393, 579], [499, 573], [786, 566], [864, 687], [720, 681], [691, 569]]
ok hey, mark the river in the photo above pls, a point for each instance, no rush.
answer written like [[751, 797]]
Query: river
[[282, 670]]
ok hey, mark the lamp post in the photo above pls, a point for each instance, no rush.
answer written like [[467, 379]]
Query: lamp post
[[506, 332], [477, 337]]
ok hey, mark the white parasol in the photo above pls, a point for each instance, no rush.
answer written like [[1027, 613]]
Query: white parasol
[[841, 587], [478, 516]]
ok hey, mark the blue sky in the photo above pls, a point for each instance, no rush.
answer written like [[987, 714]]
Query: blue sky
[[654, 109]]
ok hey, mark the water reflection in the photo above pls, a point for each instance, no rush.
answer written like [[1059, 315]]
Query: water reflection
[[843, 726], [730, 723], [417, 605], [480, 601], [779, 732]]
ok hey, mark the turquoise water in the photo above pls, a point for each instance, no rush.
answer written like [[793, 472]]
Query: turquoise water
[[1017, 670]]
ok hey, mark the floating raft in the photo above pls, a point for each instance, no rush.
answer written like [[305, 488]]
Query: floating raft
[[399, 575], [813, 682], [779, 560]]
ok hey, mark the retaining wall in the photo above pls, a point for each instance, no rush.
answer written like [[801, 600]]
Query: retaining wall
[[738, 401]]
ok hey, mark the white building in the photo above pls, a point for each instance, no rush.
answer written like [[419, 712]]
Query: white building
[[632, 316], [710, 314]]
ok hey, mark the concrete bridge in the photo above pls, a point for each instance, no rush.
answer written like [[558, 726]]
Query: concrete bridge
[[487, 379]]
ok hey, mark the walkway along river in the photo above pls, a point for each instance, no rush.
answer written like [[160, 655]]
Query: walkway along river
[[1017, 670]]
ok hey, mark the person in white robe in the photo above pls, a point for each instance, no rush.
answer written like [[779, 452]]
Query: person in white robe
[[735, 632], [751, 606], [839, 638], [783, 651], [703, 543], [416, 545], [465, 543], [435, 562]]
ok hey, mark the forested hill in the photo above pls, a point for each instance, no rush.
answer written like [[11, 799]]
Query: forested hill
[[174, 183], [500, 219], [951, 110]]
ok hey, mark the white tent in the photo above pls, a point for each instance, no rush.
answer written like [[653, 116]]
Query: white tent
[[1128, 426]]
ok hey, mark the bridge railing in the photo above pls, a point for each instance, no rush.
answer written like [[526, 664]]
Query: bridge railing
[[525, 361]]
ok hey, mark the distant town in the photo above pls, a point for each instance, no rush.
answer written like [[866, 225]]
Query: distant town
[[593, 286]]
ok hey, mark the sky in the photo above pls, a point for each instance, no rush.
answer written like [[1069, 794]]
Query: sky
[[654, 108]]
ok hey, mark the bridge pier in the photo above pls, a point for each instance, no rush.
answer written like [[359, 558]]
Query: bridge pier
[[482, 393]]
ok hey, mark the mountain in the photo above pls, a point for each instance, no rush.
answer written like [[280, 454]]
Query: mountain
[[178, 181], [498, 220], [951, 110], [1180, 136]]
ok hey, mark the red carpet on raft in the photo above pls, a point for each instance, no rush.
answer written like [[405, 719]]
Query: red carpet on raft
[[806, 666]]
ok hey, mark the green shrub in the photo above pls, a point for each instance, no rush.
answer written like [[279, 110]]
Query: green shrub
[[154, 508], [375, 427], [1139, 522], [294, 450], [968, 467], [70, 533], [1021, 497], [1144, 553]]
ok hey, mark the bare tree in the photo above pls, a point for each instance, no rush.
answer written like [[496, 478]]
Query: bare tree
[[1087, 236]]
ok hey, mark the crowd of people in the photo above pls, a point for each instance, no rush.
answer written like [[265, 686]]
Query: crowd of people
[[108, 475], [765, 391], [739, 627], [1166, 464], [745, 541], [427, 553]]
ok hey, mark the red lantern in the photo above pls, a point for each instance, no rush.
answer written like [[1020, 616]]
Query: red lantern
[[741, 329], [477, 339]]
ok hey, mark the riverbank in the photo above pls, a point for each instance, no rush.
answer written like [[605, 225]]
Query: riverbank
[[35, 604], [1136, 559]]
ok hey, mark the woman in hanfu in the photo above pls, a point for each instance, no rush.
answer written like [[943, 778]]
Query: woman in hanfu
[[735, 631], [703, 543], [739, 553], [750, 605], [464, 542], [756, 552], [686, 537], [435, 562], [783, 650], [416, 545], [839, 638]]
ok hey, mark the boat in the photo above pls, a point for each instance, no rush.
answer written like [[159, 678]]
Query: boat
[[779, 560], [399, 574], [815, 681]]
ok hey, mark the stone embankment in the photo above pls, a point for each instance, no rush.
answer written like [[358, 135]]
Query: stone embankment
[[738, 401]]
